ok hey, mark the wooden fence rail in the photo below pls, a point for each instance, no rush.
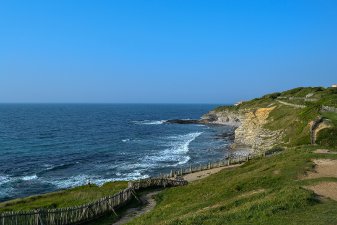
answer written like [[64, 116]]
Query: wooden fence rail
[[210, 165], [90, 211], [83, 213]]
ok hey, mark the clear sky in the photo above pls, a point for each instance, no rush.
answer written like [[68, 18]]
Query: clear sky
[[160, 51]]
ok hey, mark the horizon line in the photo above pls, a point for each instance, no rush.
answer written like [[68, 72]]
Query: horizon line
[[122, 103]]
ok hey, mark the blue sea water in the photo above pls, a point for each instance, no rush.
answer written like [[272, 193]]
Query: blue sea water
[[47, 147]]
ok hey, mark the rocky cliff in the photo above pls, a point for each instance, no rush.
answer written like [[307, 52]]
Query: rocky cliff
[[249, 125]]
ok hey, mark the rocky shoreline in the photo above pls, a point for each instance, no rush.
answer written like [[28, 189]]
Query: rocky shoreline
[[247, 124]]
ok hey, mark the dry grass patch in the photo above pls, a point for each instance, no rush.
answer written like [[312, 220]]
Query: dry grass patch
[[205, 173]]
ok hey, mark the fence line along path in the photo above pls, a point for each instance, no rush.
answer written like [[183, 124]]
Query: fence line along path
[[86, 212], [93, 210]]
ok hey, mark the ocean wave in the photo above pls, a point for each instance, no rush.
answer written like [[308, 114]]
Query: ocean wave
[[31, 177], [79, 180], [150, 122], [70, 182], [5, 193], [4, 179], [177, 153], [58, 167]]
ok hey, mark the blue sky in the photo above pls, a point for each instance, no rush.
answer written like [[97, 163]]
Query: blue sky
[[163, 51]]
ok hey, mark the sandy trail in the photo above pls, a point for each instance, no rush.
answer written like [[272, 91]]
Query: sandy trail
[[325, 151], [202, 174], [323, 168], [326, 189]]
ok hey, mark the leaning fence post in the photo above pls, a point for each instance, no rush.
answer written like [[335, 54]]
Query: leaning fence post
[[38, 217]]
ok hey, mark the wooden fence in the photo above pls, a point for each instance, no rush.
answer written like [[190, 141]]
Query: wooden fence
[[210, 165], [87, 212]]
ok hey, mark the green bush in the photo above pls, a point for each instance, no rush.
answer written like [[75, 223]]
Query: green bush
[[327, 137]]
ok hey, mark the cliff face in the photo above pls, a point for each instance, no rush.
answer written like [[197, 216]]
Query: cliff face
[[249, 127]]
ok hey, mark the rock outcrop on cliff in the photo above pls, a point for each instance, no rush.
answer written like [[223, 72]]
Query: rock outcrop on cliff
[[249, 125]]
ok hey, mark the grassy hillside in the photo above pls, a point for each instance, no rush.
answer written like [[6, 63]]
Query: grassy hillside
[[294, 122], [263, 191], [67, 198], [268, 190]]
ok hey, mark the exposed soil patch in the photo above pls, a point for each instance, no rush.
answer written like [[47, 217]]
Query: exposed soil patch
[[250, 193], [325, 189], [202, 174], [276, 172], [323, 168], [325, 151]]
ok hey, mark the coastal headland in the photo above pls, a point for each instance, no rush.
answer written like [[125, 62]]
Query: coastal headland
[[295, 184]]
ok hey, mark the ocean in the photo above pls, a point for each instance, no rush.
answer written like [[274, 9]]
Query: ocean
[[48, 147]]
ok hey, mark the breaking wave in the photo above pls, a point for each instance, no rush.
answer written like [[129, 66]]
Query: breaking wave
[[150, 122]]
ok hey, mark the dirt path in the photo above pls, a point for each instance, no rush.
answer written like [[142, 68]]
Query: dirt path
[[202, 174], [150, 202], [132, 213], [325, 151], [326, 189], [323, 168]]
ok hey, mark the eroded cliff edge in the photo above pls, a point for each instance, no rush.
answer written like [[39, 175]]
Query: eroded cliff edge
[[249, 124]]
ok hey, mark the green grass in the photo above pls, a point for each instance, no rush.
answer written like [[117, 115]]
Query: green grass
[[263, 191], [67, 198], [294, 122]]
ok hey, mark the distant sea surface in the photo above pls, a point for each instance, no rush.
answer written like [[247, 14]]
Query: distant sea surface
[[48, 147]]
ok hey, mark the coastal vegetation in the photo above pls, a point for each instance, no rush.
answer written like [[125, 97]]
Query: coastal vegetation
[[65, 198], [272, 190], [295, 129], [262, 191]]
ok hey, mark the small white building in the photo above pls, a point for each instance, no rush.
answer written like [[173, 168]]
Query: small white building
[[238, 103], [334, 85]]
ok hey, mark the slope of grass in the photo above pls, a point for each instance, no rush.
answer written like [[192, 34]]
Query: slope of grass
[[67, 198], [294, 122], [264, 191]]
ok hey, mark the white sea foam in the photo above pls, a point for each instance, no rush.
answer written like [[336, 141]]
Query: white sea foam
[[4, 179], [71, 181], [177, 153], [126, 140], [85, 179], [150, 122], [26, 178]]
